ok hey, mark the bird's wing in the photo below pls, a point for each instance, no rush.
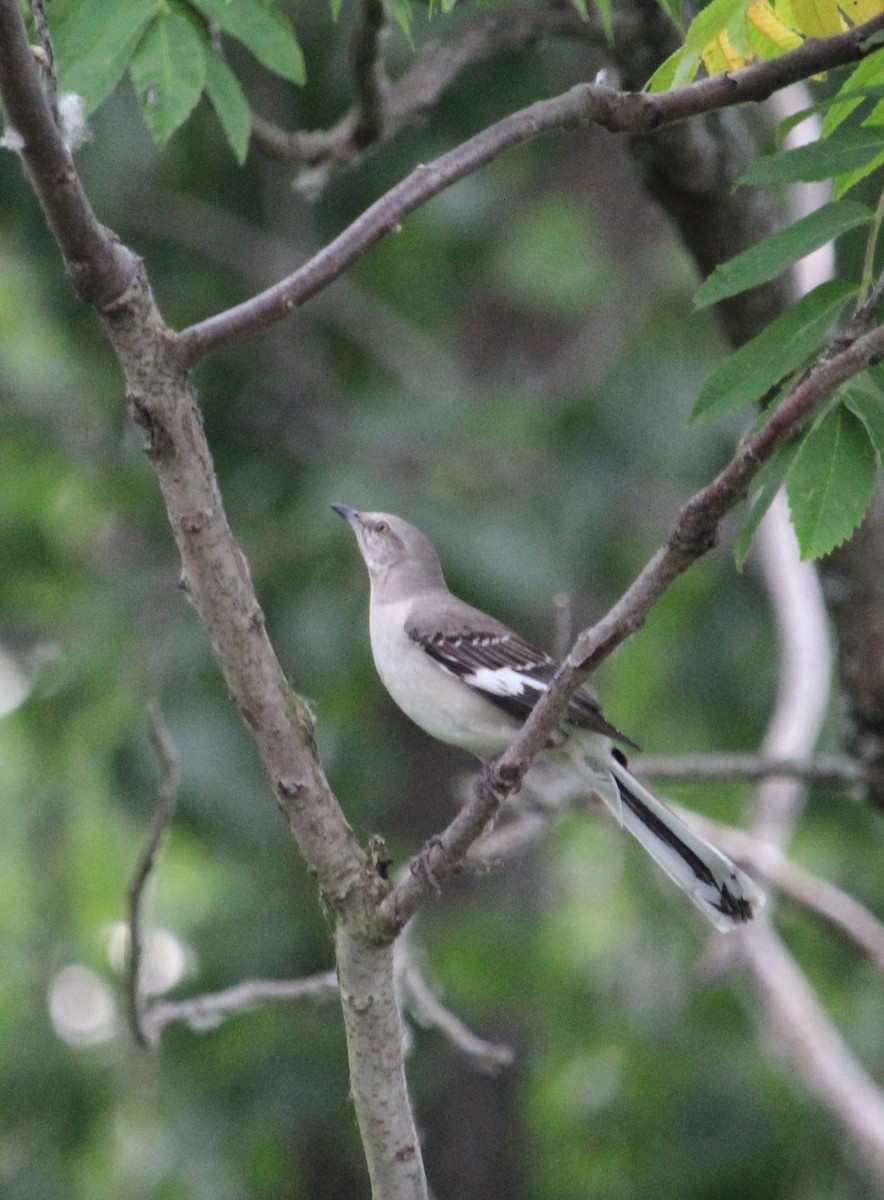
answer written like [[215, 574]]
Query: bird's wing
[[505, 669]]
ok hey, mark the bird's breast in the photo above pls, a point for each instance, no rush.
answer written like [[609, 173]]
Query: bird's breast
[[434, 699]]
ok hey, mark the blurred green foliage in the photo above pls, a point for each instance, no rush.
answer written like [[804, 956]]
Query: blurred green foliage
[[514, 371]]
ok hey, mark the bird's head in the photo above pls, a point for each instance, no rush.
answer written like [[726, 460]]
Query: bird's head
[[396, 554]]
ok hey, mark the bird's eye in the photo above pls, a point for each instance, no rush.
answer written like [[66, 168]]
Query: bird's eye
[[381, 527]]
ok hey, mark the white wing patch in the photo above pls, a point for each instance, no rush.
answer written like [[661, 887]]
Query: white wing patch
[[503, 681]]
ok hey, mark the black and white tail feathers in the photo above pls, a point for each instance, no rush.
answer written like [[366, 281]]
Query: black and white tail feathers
[[722, 892]]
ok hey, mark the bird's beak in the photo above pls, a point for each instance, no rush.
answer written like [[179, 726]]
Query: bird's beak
[[350, 515]]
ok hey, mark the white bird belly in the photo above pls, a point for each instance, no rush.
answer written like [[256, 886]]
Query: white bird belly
[[441, 704]]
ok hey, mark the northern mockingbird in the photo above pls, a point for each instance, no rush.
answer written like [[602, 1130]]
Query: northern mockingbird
[[468, 680]]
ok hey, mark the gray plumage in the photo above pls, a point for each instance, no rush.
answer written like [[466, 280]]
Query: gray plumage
[[467, 679]]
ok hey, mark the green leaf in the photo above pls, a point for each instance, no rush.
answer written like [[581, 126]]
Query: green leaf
[[94, 41], [704, 28], [664, 77], [674, 9], [401, 10], [709, 23], [866, 77], [865, 401], [265, 32], [604, 11], [830, 483], [771, 257], [767, 483], [775, 352], [819, 160], [222, 88], [169, 70], [786, 126], [848, 180]]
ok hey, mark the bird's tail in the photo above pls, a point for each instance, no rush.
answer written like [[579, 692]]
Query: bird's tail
[[722, 892]]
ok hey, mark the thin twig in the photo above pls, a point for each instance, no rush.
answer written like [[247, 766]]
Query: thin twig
[[368, 73], [812, 1045], [210, 1009], [826, 770], [619, 112], [426, 1007], [164, 810], [563, 625], [418, 90]]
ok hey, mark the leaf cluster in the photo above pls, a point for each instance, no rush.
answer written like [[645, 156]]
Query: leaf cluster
[[173, 52], [829, 468]]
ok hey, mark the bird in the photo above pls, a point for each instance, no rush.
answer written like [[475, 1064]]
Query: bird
[[468, 680]]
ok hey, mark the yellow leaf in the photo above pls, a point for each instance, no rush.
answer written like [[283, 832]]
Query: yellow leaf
[[859, 11], [784, 12], [766, 21], [719, 56], [818, 18]]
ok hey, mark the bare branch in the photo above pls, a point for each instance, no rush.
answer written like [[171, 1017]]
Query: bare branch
[[210, 1009], [427, 1008], [162, 820], [805, 669], [398, 345], [563, 625], [377, 1070], [411, 97], [813, 1047], [832, 770], [620, 112], [368, 73]]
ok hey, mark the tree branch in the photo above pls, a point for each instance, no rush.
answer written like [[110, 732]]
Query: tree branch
[[210, 1009], [805, 669], [50, 77], [99, 266], [217, 580], [414, 95], [828, 770], [368, 73], [619, 112], [427, 1009], [162, 819], [807, 1038], [377, 1072]]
